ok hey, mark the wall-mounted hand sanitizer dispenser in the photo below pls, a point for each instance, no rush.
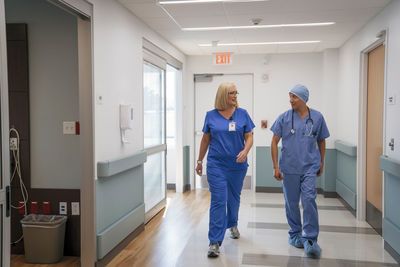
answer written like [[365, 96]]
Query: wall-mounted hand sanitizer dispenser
[[125, 120]]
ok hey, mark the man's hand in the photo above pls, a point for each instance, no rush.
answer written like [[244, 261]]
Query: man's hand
[[199, 169], [278, 174], [241, 157], [321, 170]]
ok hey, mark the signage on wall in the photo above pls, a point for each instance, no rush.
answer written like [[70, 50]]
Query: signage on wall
[[223, 59]]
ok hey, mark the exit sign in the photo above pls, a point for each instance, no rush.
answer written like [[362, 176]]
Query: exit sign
[[223, 59]]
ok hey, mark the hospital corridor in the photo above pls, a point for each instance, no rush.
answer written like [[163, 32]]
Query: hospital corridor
[[158, 133]]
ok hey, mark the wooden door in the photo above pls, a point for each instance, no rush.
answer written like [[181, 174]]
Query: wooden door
[[376, 62]]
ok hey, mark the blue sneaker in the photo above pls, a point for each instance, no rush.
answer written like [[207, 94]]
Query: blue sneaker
[[312, 249], [296, 241]]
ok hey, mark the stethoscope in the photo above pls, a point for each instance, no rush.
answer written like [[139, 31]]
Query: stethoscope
[[309, 119]]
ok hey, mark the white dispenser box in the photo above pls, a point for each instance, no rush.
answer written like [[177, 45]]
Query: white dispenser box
[[125, 120]]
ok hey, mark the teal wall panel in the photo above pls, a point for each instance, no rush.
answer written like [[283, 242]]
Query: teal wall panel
[[119, 200], [112, 236], [346, 148], [347, 194], [392, 198], [117, 195], [347, 170], [391, 234], [346, 167], [391, 220], [264, 168], [328, 181]]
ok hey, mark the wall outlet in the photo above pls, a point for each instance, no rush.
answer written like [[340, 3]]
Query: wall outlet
[[13, 143], [69, 127], [74, 208], [63, 208]]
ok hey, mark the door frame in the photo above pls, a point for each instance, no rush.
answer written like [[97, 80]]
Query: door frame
[[193, 169], [362, 124], [5, 155], [155, 60], [84, 10]]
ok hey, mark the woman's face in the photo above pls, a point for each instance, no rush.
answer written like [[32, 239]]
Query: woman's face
[[232, 96]]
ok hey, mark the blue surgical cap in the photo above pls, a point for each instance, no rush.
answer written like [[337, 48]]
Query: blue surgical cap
[[301, 91]]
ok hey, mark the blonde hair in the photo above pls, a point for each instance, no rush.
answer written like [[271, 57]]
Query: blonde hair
[[222, 95]]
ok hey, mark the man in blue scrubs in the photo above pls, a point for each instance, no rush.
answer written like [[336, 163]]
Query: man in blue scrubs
[[228, 135], [303, 132]]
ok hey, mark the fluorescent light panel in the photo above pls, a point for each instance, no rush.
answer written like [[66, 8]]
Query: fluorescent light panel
[[259, 26], [261, 43], [204, 1]]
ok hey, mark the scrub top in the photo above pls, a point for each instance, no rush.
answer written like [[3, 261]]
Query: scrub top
[[227, 138], [300, 152]]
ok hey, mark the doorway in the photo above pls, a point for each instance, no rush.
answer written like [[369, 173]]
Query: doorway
[[46, 172], [205, 87]]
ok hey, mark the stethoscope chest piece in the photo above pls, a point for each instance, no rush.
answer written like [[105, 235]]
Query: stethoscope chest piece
[[309, 119]]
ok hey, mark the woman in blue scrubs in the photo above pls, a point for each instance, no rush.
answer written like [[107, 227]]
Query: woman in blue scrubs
[[303, 132], [227, 133]]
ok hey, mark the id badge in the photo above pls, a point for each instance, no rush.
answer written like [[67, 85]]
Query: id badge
[[232, 126]]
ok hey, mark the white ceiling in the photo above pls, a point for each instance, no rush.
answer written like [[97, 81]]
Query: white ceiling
[[349, 16]]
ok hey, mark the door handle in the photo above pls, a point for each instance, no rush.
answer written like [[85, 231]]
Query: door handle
[[8, 200]]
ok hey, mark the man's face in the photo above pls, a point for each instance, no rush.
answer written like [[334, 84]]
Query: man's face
[[295, 101]]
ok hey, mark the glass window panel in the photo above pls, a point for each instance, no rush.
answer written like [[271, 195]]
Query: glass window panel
[[154, 180], [154, 116]]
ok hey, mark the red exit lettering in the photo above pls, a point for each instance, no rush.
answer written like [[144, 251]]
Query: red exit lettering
[[223, 59]]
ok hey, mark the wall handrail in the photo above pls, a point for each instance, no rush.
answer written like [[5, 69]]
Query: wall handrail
[[346, 148], [390, 165], [155, 149], [112, 167]]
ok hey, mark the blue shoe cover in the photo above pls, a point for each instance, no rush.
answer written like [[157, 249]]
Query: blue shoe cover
[[312, 249], [296, 241]]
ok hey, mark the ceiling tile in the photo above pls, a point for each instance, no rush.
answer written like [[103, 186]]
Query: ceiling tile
[[296, 48], [350, 16], [147, 10], [206, 21], [196, 10]]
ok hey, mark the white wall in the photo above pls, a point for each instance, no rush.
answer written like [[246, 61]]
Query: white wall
[[329, 91], [349, 73], [271, 98], [53, 91], [118, 75]]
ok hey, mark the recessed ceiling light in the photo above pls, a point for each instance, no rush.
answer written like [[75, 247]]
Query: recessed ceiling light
[[261, 43], [204, 1], [259, 26]]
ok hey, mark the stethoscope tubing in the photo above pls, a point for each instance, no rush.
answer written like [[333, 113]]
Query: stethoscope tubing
[[309, 119]]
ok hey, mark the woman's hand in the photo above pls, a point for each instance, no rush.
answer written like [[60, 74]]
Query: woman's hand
[[242, 156], [199, 169]]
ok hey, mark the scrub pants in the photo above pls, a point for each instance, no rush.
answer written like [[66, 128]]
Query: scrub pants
[[296, 187], [225, 187]]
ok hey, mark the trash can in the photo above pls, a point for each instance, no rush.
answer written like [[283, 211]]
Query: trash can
[[43, 237]]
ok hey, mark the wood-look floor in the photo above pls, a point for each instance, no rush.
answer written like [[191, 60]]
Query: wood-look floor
[[19, 261], [166, 235]]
